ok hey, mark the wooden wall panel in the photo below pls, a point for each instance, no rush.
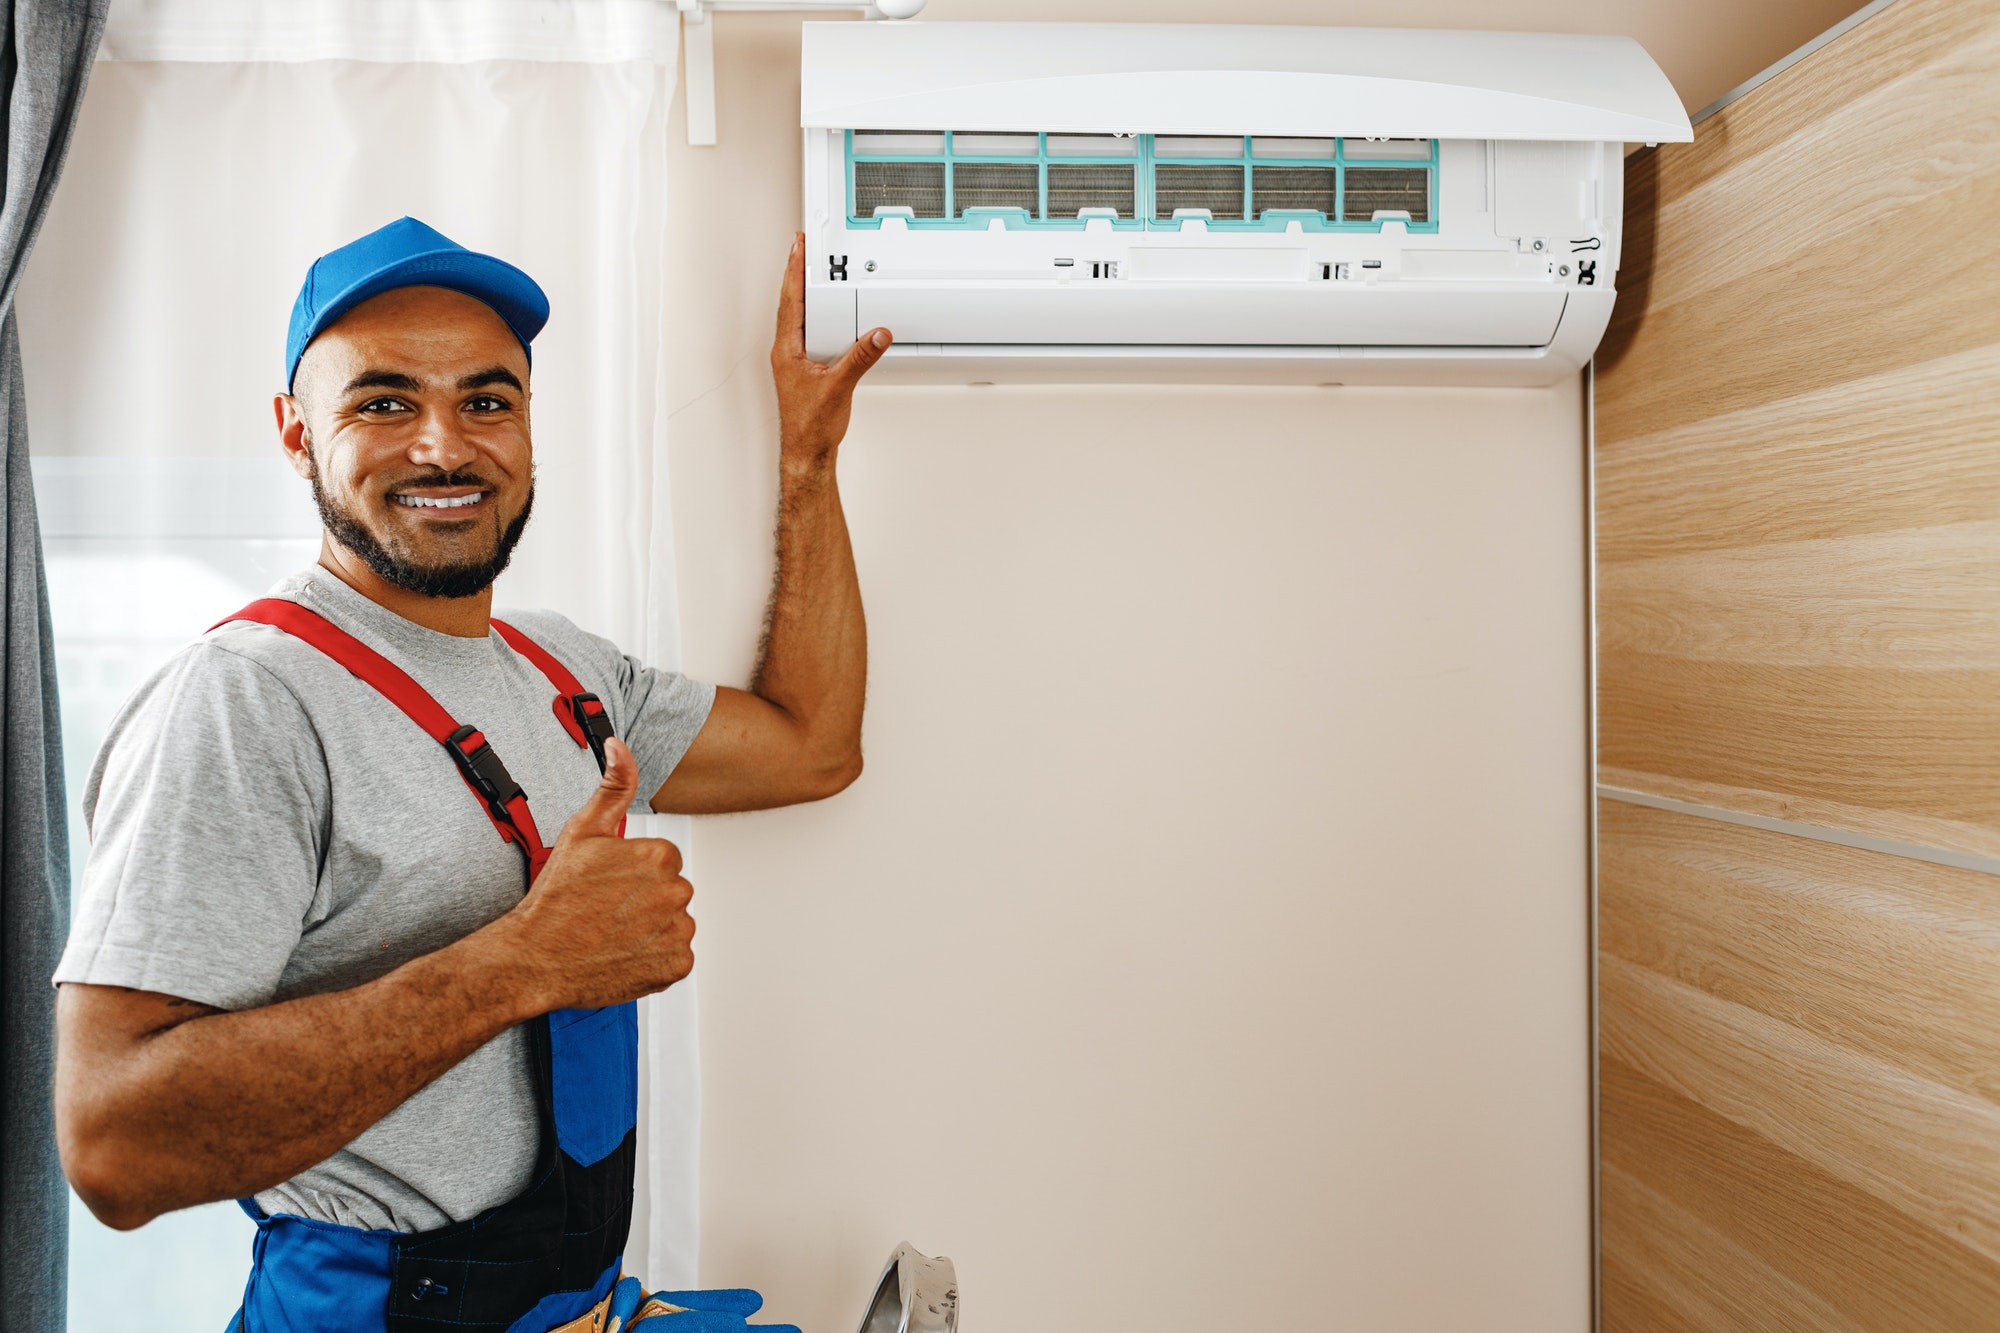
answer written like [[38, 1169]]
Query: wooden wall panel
[[1799, 1081], [1798, 516], [1799, 446]]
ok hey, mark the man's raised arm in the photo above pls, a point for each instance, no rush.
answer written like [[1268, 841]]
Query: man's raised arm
[[795, 735]]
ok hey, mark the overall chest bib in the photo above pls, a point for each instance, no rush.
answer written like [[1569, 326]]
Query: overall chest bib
[[553, 1252]]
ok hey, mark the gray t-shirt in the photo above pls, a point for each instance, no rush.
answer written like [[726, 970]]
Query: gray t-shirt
[[265, 826]]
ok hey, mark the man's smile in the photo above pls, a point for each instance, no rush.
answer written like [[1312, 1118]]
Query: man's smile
[[456, 504]]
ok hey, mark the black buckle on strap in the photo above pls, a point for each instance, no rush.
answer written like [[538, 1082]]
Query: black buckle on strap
[[483, 769], [590, 715]]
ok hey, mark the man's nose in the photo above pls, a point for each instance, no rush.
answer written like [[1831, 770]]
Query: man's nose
[[440, 443]]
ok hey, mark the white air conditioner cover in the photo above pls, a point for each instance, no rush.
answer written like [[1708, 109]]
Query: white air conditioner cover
[[1185, 78]]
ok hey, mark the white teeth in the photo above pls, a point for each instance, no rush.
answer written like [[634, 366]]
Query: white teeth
[[426, 502]]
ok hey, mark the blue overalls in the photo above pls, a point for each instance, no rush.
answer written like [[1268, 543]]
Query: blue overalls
[[553, 1253]]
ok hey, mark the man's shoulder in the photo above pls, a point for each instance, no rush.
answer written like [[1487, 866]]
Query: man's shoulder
[[234, 696], [252, 651], [257, 655], [250, 681], [238, 672]]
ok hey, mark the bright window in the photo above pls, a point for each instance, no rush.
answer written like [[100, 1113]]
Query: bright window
[[143, 555]]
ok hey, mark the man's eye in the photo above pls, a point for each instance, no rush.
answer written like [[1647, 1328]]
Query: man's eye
[[379, 405], [486, 402]]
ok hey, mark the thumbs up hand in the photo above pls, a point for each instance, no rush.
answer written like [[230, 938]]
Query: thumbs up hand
[[607, 919], [603, 815]]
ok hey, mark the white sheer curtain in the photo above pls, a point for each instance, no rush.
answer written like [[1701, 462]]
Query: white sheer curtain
[[223, 145]]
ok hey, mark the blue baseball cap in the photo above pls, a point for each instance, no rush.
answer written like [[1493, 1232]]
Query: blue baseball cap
[[406, 253]]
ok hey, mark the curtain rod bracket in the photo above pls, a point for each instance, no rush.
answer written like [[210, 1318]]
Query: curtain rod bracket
[[698, 45]]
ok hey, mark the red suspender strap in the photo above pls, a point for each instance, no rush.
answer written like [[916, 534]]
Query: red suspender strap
[[580, 712], [506, 804]]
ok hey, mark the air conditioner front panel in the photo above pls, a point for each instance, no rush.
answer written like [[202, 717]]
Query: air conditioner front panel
[[1214, 314], [1259, 79]]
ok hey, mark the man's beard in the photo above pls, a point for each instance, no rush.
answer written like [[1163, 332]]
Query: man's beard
[[444, 580]]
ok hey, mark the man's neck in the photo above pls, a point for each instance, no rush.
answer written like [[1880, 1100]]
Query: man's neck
[[465, 617]]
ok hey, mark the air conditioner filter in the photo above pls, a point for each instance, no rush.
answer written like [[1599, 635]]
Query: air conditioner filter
[[1294, 187], [917, 186], [1372, 188], [1075, 188], [1217, 189], [996, 185]]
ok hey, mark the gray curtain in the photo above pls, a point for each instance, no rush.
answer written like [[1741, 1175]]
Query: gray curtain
[[43, 67]]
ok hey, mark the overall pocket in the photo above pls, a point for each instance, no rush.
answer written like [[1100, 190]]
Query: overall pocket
[[594, 1066]]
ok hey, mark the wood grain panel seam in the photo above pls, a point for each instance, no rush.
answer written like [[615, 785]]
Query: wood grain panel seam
[[1720, 231], [1986, 865], [1764, 76], [1896, 826]]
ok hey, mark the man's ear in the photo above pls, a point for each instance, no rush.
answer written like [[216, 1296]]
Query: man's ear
[[293, 437]]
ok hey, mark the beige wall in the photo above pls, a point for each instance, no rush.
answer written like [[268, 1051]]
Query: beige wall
[[1205, 942]]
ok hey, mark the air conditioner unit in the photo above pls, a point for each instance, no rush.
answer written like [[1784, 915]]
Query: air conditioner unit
[[1090, 202]]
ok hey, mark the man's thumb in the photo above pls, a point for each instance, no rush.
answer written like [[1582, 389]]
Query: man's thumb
[[605, 810], [861, 358]]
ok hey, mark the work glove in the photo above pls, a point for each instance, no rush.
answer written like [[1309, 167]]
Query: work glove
[[727, 1310]]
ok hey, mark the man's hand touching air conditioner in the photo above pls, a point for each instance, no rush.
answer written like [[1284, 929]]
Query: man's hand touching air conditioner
[[813, 399]]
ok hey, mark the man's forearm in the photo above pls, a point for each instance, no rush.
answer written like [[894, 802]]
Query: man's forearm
[[224, 1104], [814, 662], [796, 734]]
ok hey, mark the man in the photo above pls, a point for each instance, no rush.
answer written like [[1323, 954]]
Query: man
[[304, 971]]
